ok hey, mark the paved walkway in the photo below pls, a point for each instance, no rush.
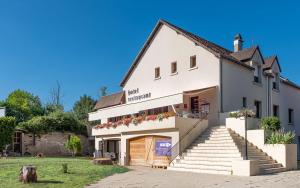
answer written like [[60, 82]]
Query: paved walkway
[[143, 177]]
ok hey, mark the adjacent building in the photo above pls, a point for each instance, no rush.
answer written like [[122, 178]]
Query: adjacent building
[[178, 80]]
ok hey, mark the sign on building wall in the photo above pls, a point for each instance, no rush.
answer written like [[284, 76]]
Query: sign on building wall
[[163, 147], [134, 95]]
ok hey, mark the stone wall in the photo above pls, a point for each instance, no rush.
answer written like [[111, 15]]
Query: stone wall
[[52, 144]]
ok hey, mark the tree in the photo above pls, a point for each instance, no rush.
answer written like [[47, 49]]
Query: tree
[[23, 105], [7, 128], [73, 145], [36, 126], [103, 91], [83, 106], [55, 94]]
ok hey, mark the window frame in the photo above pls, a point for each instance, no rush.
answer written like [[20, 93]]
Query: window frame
[[174, 64], [244, 102], [259, 109], [157, 73], [277, 110], [290, 116], [193, 61]]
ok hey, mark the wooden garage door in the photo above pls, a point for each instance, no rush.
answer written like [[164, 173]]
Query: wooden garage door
[[142, 151]]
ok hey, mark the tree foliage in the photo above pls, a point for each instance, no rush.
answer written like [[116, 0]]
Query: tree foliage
[[73, 145], [7, 127], [270, 123], [83, 106], [56, 121], [22, 105]]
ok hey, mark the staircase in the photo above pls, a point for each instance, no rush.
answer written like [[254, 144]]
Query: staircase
[[266, 164], [214, 151]]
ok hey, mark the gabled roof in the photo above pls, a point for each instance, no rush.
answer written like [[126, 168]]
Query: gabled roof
[[245, 54], [210, 46], [269, 61], [290, 83], [110, 100]]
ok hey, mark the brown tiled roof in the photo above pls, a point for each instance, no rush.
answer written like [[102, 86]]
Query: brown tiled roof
[[245, 54], [210, 46], [110, 100], [270, 61]]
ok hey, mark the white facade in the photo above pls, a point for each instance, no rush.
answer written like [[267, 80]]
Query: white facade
[[2, 112], [221, 82]]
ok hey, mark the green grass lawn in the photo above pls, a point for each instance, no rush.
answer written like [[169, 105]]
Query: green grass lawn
[[49, 170]]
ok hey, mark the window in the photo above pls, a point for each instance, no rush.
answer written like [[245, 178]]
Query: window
[[276, 81], [257, 74], [257, 105], [244, 102], [193, 62], [275, 110], [291, 116], [157, 72], [173, 67]]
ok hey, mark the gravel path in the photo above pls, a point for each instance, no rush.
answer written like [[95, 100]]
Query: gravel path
[[143, 177]]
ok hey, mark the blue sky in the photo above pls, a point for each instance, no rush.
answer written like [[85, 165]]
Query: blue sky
[[88, 44]]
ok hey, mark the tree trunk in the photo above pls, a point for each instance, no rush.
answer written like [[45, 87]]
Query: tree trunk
[[28, 174], [33, 139]]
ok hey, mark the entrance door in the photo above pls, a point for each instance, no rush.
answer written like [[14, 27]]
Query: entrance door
[[142, 151], [194, 105]]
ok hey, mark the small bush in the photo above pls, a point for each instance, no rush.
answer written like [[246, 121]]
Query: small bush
[[64, 167], [270, 124], [74, 145], [280, 137], [242, 113]]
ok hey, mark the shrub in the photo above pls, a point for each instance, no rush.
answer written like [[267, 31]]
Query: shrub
[[270, 124], [280, 137], [7, 128], [64, 167], [73, 145], [242, 113]]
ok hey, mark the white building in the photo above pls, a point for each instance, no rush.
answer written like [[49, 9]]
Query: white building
[[177, 71], [2, 111]]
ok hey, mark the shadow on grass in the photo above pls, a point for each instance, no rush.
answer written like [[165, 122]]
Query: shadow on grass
[[49, 181]]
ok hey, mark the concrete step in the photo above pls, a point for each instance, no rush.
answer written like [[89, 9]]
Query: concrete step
[[204, 162], [205, 171], [212, 151], [204, 167], [220, 155], [213, 159], [266, 166], [213, 147], [215, 141], [273, 170], [209, 144]]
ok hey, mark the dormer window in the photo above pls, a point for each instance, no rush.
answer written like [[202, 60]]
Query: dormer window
[[257, 74], [276, 81]]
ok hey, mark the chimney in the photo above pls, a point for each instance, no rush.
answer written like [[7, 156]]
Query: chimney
[[238, 43]]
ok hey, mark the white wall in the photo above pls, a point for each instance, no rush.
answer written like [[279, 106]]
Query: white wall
[[2, 112], [167, 47], [238, 83]]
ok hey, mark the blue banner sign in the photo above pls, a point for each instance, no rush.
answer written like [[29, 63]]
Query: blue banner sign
[[163, 147]]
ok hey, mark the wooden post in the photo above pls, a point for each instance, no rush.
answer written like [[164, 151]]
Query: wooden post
[[28, 174]]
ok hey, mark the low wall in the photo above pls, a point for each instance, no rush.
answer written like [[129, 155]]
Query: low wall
[[52, 144], [286, 154], [184, 125], [238, 124]]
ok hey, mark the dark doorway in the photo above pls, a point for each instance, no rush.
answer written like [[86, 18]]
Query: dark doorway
[[194, 104]]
